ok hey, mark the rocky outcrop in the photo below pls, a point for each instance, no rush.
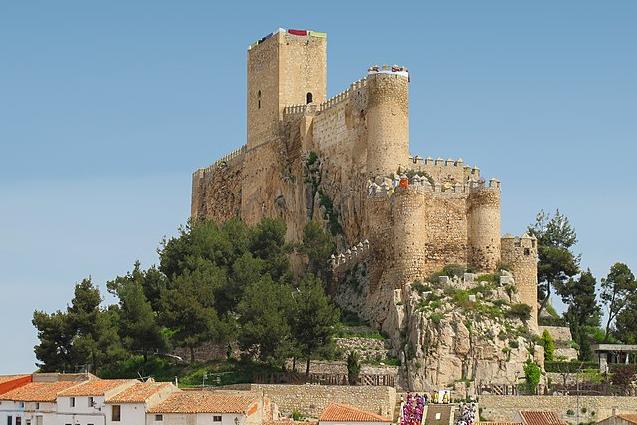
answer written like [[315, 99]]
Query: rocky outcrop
[[449, 331]]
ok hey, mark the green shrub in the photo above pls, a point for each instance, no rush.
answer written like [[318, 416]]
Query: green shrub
[[549, 347], [436, 318], [311, 159], [514, 343], [420, 287], [353, 367], [453, 270], [532, 375], [520, 311]]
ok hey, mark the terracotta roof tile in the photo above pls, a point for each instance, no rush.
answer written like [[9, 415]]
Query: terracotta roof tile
[[38, 391], [9, 378], [541, 417], [498, 423], [139, 392], [203, 402], [336, 412], [629, 417], [95, 388]]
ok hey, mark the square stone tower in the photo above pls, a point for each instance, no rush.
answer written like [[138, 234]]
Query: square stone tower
[[284, 68]]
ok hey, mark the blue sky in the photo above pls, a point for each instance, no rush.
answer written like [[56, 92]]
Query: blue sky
[[107, 108]]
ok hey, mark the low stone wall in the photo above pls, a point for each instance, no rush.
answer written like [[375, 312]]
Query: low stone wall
[[592, 408], [558, 333], [311, 400]]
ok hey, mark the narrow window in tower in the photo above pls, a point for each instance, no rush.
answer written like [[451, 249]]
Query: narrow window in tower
[[259, 100], [308, 98]]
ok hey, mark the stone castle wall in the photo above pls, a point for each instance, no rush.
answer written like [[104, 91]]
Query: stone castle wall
[[447, 214], [387, 123], [521, 254], [311, 400], [421, 229]]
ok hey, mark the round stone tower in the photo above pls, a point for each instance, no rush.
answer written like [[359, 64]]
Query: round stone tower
[[387, 120], [521, 254], [409, 235], [484, 226]]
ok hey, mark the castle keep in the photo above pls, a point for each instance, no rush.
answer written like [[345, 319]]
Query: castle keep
[[346, 162]]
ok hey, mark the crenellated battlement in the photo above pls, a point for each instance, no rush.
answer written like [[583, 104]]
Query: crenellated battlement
[[351, 256], [422, 184], [343, 96], [294, 110], [226, 160]]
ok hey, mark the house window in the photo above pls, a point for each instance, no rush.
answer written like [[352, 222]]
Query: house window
[[21, 404], [116, 413], [18, 420], [38, 420], [259, 100], [159, 418], [37, 406], [216, 418], [9, 420], [437, 416], [72, 401], [527, 251], [308, 98], [91, 403]]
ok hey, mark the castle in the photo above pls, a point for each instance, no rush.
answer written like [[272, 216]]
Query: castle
[[346, 161]]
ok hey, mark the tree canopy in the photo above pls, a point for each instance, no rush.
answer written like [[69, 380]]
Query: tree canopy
[[213, 284], [556, 261]]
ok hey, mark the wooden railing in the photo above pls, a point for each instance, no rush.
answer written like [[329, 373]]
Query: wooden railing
[[323, 379]]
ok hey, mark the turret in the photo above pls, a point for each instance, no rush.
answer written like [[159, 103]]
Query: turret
[[521, 254], [484, 225], [409, 235], [387, 120], [286, 67]]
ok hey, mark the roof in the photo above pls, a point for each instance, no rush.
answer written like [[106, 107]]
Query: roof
[[614, 347], [139, 392], [445, 411], [96, 387], [498, 423], [541, 417], [203, 402], [629, 417], [9, 378], [38, 391], [336, 412]]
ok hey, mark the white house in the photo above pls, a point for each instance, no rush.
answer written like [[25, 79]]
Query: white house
[[133, 402], [341, 414], [32, 404], [209, 408], [84, 404]]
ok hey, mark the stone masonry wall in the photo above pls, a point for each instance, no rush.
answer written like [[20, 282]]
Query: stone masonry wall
[[311, 400], [521, 255], [503, 408], [387, 123], [448, 170], [263, 92]]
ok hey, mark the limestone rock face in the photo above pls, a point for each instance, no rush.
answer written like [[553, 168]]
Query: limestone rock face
[[448, 332]]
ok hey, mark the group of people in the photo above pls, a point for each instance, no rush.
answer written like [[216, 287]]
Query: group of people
[[413, 409], [468, 414]]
